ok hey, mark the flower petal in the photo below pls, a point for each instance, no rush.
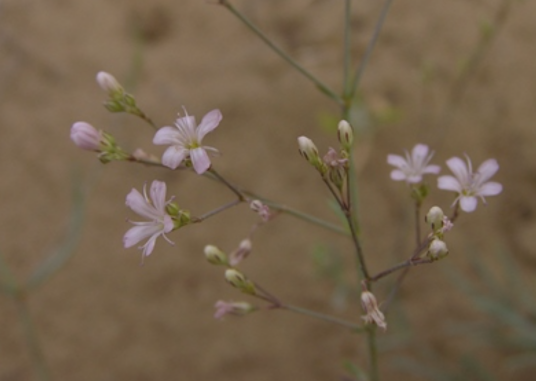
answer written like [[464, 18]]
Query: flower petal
[[209, 122], [459, 168], [468, 203], [158, 195], [149, 245], [435, 169], [200, 160], [487, 169], [138, 233], [139, 205], [490, 189], [449, 183], [173, 156], [167, 135], [419, 154], [397, 161]]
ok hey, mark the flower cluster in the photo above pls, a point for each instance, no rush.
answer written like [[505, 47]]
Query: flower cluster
[[468, 185]]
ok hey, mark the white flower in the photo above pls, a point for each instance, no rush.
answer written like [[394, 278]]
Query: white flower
[[185, 141], [155, 210], [470, 185], [412, 168]]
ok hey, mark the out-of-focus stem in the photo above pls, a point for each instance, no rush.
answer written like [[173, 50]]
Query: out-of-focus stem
[[320, 316], [321, 86]]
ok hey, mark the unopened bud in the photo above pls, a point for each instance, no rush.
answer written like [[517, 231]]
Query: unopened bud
[[215, 256], [108, 83], [239, 280], [241, 252], [85, 136], [438, 249], [309, 151], [232, 308], [373, 313], [345, 134], [434, 218]]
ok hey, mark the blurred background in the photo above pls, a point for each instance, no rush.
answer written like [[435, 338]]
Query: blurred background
[[457, 75]]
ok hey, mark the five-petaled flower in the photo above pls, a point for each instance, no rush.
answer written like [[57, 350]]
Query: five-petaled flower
[[185, 141], [153, 208], [470, 185], [412, 168]]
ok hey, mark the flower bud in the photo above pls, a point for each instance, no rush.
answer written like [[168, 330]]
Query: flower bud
[[262, 209], [345, 134], [85, 136], [438, 249], [309, 151], [239, 280], [108, 83], [215, 256], [232, 308], [373, 313], [434, 218], [241, 252]]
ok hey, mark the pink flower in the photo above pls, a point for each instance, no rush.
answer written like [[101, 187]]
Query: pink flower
[[155, 210], [470, 185], [85, 136], [185, 141], [373, 314], [412, 168]]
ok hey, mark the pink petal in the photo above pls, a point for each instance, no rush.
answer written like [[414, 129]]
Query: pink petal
[[158, 195], [435, 169], [490, 189], [138, 233], [468, 203], [396, 160], [419, 153], [397, 175], [487, 169], [167, 135], [138, 204], [174, 156], [209, 122], [449, 183], [459, 168], [200, 160]]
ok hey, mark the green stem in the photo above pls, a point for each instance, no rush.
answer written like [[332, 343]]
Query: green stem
[[370, 46], [320, 316], [373, 353], [36, 351], [217, 210], [321, 86], [347, 59]]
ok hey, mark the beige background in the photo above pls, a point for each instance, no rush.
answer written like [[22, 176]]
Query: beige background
[[103, 317]]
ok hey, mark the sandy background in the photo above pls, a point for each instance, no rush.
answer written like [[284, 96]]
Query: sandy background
[[103, 317]]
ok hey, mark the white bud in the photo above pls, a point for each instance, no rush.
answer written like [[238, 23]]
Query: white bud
[[434, 218], [373, 313], [215, 256], [241, 253], [438, 249], [345, 133], [108, 83], [239, 280], [85, 136]]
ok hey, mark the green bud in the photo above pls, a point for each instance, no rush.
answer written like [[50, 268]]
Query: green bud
[[345, 134], [239, 280], [309, 151], [215, 256], [438, 249]]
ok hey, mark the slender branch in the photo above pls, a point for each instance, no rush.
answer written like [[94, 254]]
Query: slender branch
[[233, 188], [217, 210], [407, 263], [321, 86], [417, 223], [370, 46], [373, 353], [347, 59], [320, 316], [36, 351]]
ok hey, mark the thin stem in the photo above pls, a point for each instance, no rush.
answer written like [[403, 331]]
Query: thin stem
[[233, 188], [407, 263], [321, 86], [373, 353], [370, 46], [417, 223], [36, 351], [320, 316], [217, 210], [346, 69]]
